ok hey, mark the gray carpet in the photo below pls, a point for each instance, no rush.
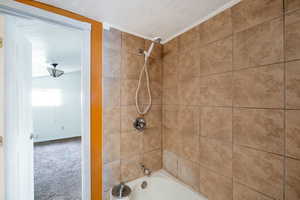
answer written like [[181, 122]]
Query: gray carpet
[[57, 170]]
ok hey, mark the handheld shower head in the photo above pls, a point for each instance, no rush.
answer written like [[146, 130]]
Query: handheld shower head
[[157, 40]]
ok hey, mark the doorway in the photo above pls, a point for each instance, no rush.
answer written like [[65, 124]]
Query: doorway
[[17, 164]]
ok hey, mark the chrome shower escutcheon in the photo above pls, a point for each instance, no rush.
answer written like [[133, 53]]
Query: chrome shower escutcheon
[[140, 124]]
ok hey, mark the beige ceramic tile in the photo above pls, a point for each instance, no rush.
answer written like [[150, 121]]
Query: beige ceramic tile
[[131, 43], [260, 129], [291, 5], [189, 64], [170, 90], [111, 150], [216, 90], [292, 35], [216, 28], [293, 133], [214, 186], [261, 87], [292, 187], [156, 93], [131, 144], [128, 89], [189, 173], [242, 192], [259, 45], [170, 67], [155, 69], [170, 162], [216, 155], [216, 123], [293, 85], [131, 168], [111, 93], [131, 65], [111, 175], [249, 13], [153, 160], [216, 57], [188, 89], [112, 121], [170, 50], [259, 170], [152, 139], [189, 40], [112, 62]]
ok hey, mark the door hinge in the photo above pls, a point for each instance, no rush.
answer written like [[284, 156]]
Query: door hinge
[[1, 43]]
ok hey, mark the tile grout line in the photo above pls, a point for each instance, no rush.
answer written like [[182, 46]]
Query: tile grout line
[[232, 108]]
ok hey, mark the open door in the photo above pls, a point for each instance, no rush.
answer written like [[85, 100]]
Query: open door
[[1, 107], [18, 143]]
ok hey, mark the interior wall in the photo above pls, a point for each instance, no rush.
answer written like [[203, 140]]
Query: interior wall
[[231, 100], [61, 118], [124, 147]]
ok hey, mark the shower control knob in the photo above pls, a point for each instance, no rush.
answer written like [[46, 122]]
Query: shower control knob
[[139, 124]]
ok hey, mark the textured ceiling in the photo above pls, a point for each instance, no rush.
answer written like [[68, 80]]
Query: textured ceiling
[[147, 18]]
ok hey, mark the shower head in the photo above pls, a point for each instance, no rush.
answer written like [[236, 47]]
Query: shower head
[[157, 40], [55, 72]]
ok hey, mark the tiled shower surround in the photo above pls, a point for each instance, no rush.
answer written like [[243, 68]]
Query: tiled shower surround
[[230, 104]]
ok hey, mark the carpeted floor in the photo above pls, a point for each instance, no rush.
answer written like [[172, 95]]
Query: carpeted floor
[[57, 170]]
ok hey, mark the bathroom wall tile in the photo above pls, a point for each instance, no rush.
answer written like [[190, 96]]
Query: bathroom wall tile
[[131, 168], [292, 186], [214, 186], [216, 123], [112, 39], [131, 65], [111, 148], [157, 50], [170, 162], [170, 50], [172, 142], [156, 93], [216, 90], [170, 67], [170, 90], [128, 89], [154, 117], [259, 170], [242, 192], [216, 28], [249, 13], [128, 115], [152, 138], [189, 173], [111, 175], [155, 69], [188, 89], [189, 40], [292, 35], [291, 5], [259, 87], [189, 62], [216, 156], [131, 43], [260, 129], [293, 84], [216, 57], [293, 133], [112, 62], [111, 92], [189, 141], [112, 121], [257, 46], [131, 144], [153, 160]]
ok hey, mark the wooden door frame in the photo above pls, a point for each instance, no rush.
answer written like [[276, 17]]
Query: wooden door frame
[[96, 92]]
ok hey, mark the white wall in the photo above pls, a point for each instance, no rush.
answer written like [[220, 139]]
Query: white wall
[[57, 107]]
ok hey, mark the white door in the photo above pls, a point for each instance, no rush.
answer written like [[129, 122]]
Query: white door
[[18, 144], [1, 108]]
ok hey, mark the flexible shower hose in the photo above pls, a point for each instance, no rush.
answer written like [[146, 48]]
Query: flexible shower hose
[[144, 70]]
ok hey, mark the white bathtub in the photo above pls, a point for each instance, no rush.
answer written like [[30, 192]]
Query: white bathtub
[[161, 186]]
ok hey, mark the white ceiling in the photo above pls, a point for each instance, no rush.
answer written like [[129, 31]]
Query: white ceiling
[[52, 43], [147, 18]]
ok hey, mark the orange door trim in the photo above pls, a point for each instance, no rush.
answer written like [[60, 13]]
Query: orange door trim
[[96, 92]]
